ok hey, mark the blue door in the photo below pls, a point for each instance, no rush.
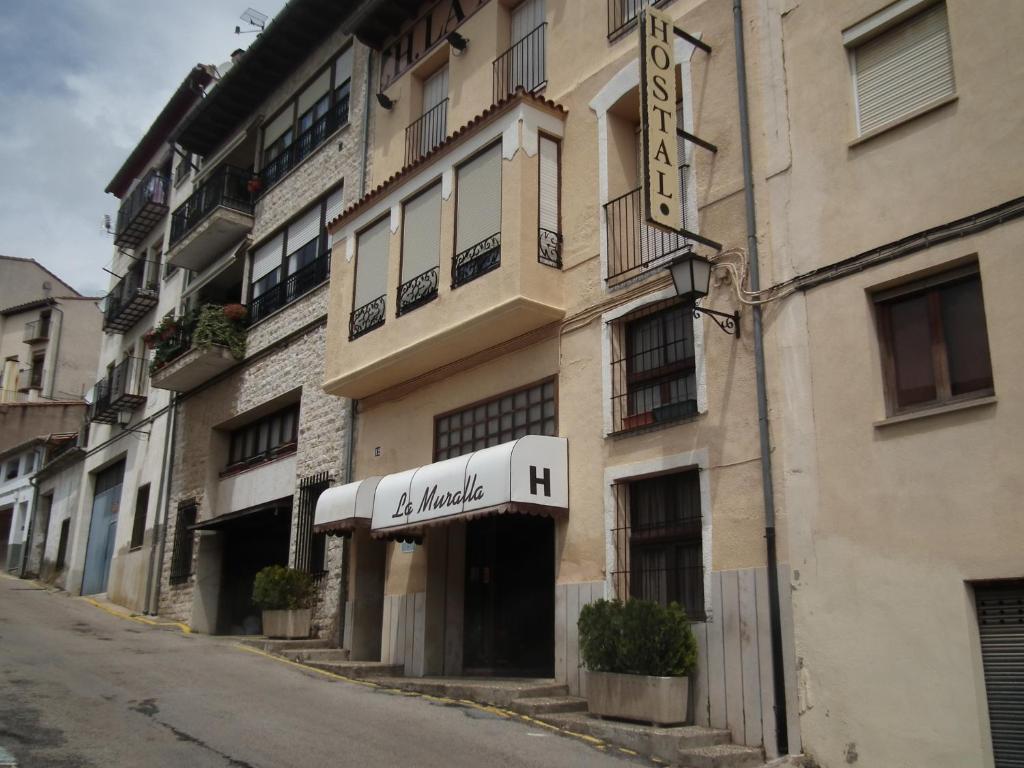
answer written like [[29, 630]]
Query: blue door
[[102, 528]]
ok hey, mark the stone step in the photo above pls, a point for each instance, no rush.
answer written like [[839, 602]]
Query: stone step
[[663, 743], [358, 669], [720, 756], [542, 705], [306, 655], [279, 646], [497, 693]]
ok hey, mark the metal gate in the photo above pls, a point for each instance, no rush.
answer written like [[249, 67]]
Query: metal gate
[[1001, 627]]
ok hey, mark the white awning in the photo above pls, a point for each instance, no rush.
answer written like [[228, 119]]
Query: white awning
[[339, 510]]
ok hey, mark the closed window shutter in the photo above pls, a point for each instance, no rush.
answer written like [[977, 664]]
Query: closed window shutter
[[277, 126], [372, 263], [267, 258], [304, 229], [317, 90], [906, 67], [435, 89], [335, 201], [343, 68], [479, 199], [421, 233], [526, 17], [549, 184]]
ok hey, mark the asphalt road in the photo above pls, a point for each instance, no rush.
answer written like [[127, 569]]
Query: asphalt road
[[80, 688]]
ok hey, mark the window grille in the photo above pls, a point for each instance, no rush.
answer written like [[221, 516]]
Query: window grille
[[184, 536], [310, 555]]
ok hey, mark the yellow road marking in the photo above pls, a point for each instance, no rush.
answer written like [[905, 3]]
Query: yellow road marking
[[185, 628]]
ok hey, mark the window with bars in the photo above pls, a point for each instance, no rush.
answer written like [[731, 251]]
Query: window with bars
[[265, 438], [139, 522], [528, 411], [310, 548], [658, 545], [934, 341], [184, 536], [62, 544], [654, 377]]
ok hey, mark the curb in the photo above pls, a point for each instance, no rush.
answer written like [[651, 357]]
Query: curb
[[185, 629]]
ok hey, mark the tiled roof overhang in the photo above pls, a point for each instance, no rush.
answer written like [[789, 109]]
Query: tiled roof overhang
[[189, 92], [287, 41]]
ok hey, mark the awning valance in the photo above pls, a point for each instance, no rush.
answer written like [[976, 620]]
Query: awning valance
[[341, 509]]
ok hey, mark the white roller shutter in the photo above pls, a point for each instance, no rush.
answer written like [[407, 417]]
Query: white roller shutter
[[526, 17], [343, 67], [266, 258], [316, 90], [479, 199], [372, 263], [421, 233], [272, 132], [1000, 608], [304, 229], [435, 89], [903, 68], [549, 171], [335, 203]]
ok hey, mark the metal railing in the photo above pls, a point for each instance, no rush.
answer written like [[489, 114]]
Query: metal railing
[[418, 291], [426, 133], [477, 260], [367, 317], [297, 284], [634, 245], [304, 144], [549, 248], [142, 209], [37, 330], [622, 14], [170, 349], [123, 300], [120, 390], [227, 186], [521, 66]]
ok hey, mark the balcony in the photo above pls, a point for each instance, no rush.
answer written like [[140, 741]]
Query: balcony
[[141, 210], [37, 330], [120, 392], [30, 379], [303, 146], [130, 300], [634, 247], [190, 351], [426, 133], [215, 217], [293, 287], [622, 15], [521, 66]]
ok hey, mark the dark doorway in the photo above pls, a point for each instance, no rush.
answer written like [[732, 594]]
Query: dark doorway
[[510, 596], [6, 516], [251, 542]]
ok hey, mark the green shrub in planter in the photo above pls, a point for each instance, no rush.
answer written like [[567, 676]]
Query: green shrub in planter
[[637, 637], [278, 588]]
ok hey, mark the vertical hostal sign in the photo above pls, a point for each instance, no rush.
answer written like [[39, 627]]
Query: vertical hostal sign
[[660, 183]]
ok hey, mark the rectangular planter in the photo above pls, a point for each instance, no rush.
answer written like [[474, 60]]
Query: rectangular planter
[[289, 625], [658, 700]]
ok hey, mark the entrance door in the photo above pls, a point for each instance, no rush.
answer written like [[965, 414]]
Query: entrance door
[[102, 527], [1001, 628], [510, 596], [6, 518], [251, 543]]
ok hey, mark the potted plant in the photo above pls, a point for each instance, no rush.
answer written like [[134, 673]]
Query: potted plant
[[285, 595], [638, 655], [222, 326]]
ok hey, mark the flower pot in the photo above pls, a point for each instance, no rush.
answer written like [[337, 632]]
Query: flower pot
[[637, 420], [658, 700], [291, 624]]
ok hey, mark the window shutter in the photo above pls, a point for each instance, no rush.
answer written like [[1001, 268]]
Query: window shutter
[[317, 89], [421, 233], [435, 89], [267, 258], [479, 199], [343, 67], [904, 68], [335, 203], [304, 229], [272, 132], [549, 181], [372, 263], [526, 17]]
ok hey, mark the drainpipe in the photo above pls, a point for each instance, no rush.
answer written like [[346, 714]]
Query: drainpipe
[[778, 674], [52, 376], [152, 608], [33, 510]]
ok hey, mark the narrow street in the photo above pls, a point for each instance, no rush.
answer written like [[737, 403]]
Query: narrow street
[[81, 687]]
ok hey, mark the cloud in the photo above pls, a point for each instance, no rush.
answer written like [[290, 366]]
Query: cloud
[[80, 83]]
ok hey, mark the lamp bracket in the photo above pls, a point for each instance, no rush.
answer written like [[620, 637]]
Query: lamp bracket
[[730, 323]]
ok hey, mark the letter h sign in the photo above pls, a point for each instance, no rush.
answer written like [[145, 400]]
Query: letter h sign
[[544, 481]]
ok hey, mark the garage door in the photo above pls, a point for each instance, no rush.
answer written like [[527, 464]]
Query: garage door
[[1001, 624]]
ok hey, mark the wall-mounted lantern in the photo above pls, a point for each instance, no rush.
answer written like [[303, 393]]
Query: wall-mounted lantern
[[691, 275]]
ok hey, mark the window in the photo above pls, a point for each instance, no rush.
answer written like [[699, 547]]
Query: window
[[653, 367], [11, 470], [265, 438], [622, 14], [478, 217], [36, 381], [431, 127], [421, 249], [658, 546], [184, 536], [528, 411], [62, 544], [900, 65], [310, 548], [371, 283], [183, 168], [139, 522], [934, 341], [522, 65], [549, 243]]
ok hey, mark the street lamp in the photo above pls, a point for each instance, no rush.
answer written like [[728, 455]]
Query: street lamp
[[691, 276]]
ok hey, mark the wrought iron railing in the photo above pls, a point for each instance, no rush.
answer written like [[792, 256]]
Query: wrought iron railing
[[622, 14], [634, 245], [169, 349], [293, 287], [227, 187], [477, 260], [141, 210], [310, 489], [367, 317], [120, 390], [304, 144], [426, 133], [122, 299], [418, 291], [37, 330], [521, 66], [549, 248]]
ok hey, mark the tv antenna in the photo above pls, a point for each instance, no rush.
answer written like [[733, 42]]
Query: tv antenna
[[253, 18], [106, 224]]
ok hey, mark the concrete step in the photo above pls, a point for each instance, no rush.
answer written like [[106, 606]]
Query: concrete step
[[306, 655], [720, 756], [279, 646], [497, 693], [536, 706], [358, 669], [663, 743]]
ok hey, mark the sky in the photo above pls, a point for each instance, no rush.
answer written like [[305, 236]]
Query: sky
[[80, 82]]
